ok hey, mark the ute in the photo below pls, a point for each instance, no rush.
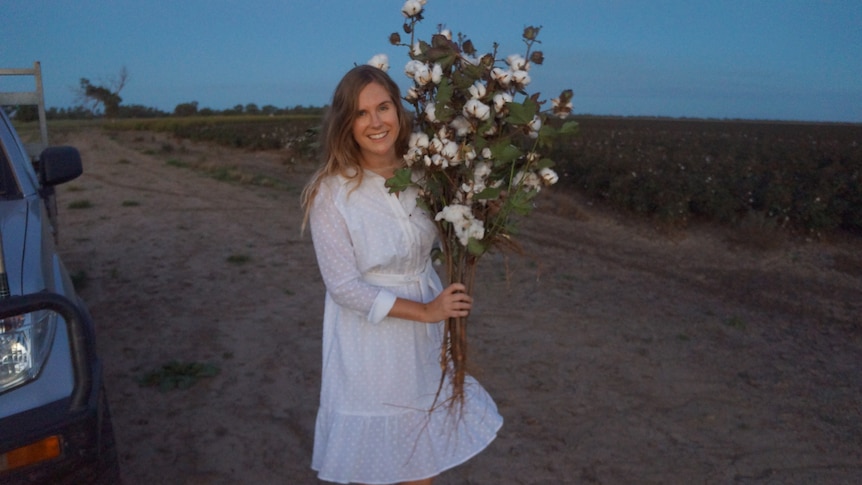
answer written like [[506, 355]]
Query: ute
[[55, 425]]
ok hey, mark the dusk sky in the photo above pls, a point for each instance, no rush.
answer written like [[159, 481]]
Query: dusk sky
[[753, 59]]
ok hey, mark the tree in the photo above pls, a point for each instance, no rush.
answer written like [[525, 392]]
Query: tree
[[108, 96], [186, 109], [252, 109]]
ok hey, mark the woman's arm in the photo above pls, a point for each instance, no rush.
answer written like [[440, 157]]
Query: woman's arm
[[338, 267], [451, 302], [336, 260]]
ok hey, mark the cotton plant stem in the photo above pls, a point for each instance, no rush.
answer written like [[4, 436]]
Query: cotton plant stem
[[461, 268]]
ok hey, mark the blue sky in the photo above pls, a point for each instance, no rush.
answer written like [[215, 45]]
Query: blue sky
[[755, 59]]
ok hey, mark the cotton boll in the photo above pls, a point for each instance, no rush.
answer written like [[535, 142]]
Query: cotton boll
[[477, 109], [436, 73], [411, 8], [502, 76], [516, 62], [461, 126], [430, 112], [477, 90], [380, 61], [535, 125], [549, 176], [423, 75], [521, 78]]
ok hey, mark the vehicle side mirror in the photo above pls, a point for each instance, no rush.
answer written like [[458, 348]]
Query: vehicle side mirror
[[59, 164]]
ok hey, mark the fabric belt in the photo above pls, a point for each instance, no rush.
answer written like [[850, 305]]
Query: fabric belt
[[384, 279], [429, 284], [394, 279]]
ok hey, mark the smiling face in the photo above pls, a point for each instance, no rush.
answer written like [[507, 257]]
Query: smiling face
[[376, 127]]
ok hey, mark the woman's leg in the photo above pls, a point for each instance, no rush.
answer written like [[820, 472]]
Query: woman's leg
[[427, 481]]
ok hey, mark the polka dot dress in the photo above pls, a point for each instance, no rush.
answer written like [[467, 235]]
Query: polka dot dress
[[380, 374]]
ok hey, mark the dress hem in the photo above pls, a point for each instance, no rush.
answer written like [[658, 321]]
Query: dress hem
[[443, 469]]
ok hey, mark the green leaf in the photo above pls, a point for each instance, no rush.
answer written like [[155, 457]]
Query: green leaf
[[462, 80], [569, 128], [472, 72], [423, 204], [476, 247], [522, 113], [400, 181], [521, 201], [484, 127], [443, 51], [423, 49], [547, 134], [504, 152], [544, 163], [440, 41], [444, 92], [480, 143], [433, 189], [489, 193], [444, 113]]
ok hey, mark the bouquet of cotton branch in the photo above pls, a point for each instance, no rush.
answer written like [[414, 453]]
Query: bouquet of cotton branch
[[475, 152]]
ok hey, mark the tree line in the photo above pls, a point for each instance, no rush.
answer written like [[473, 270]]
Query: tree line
[[104, 101], [81, 112]]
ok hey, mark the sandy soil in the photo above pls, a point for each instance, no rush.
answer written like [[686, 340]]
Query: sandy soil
[[617, 353]]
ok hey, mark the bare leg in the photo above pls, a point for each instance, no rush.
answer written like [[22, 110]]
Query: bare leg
[[427, 481]]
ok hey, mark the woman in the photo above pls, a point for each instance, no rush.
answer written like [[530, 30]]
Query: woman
[[380, 420]]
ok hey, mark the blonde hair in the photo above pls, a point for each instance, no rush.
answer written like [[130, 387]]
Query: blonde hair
[[341, 153]]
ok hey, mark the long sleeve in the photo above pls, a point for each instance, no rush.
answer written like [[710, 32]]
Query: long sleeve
[[334, 249]]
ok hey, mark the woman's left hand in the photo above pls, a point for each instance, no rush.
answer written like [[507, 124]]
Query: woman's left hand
[[451, 302]]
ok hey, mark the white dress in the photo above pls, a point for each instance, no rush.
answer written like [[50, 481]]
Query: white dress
[[380, 374]]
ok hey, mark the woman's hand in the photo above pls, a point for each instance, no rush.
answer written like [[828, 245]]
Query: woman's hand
[[451, 302]]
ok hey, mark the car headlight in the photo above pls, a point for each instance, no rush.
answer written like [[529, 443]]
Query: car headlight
[[25, 342]]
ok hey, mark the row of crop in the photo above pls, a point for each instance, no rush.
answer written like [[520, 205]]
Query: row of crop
[[802, 176], [248, 132]]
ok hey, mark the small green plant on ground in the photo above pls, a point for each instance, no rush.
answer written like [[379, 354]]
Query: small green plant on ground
[[735, 322], [80, 204], [238, 258], [178, 375]]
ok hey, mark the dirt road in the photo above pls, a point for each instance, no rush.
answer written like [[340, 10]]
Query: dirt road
[[617, 353]]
